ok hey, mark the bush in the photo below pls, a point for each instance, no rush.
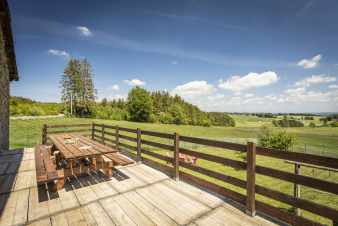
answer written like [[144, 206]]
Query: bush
[[308, 118], [334, 124], [140, 105], [312, 125], [287, 123], [221, 119], [178, 115], [279, 140]]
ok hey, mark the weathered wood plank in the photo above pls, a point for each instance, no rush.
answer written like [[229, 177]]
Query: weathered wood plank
[[204, 197], [133, 212], [75, 217], [59, 220], [42, 222], [25, 180], [130, 183], [99, 214], [68, 199], [37, 208], [84, 194], [119, 216], [180, 208], [149, 209], [21, 207], [8, 213], [7, 183]]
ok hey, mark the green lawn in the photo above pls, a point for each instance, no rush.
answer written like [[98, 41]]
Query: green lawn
[[321, 140]]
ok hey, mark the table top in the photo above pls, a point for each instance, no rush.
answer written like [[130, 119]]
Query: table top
[[74, 146]]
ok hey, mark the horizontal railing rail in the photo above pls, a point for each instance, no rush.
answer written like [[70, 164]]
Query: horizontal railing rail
[[143, 148], [71, 128]]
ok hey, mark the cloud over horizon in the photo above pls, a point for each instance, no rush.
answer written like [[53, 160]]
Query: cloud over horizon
[[239, 83], [135, 82]]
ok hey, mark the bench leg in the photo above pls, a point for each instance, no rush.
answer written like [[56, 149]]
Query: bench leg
[[60, 184]]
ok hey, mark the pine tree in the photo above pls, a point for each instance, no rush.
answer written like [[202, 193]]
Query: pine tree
[[77, 87]]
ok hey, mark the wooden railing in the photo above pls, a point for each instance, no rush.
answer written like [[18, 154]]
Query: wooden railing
[[84, 129], [117, 137]]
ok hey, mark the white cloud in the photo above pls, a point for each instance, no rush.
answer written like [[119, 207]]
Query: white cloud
[[115, 87], [296, 91], [315, 79], [333, 86], [84, 31], [249, 95], [193, 89], [61, 53], [174, 62], [237, 83], [135, 82], [310, 63]]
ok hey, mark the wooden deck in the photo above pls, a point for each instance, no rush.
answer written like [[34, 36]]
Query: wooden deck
[[136, 195]]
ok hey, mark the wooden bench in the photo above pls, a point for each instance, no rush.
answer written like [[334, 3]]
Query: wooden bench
[[113, 159], [46, 170], [119, 159]]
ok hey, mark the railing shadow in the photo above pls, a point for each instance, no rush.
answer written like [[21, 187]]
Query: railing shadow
[[9, 166]]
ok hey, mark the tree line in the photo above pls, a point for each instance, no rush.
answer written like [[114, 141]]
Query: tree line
[[78, 98]]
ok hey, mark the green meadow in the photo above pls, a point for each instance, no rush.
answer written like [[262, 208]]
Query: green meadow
[[319, 140]]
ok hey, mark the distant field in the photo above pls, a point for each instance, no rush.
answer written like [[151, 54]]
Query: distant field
[[322, 140]]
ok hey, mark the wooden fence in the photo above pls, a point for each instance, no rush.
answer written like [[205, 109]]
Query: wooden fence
[[115, 137]]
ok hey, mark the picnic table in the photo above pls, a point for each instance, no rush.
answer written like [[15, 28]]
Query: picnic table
[[74, 154]]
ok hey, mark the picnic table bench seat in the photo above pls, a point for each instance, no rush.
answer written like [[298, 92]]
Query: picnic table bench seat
[[119, 159], [46, 170]]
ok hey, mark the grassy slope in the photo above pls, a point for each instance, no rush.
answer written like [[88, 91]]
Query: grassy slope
[[28, 133]]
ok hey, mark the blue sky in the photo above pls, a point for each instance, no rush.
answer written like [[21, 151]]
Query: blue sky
[[256, 56]]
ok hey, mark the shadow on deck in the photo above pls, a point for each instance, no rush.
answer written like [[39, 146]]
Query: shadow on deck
[[136, 195]]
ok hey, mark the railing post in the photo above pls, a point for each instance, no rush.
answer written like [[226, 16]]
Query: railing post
[[117, 137], [251, 179], [296, 188], [176, 155], [102, 133], [93, 128], [138, 132], [44, 134]]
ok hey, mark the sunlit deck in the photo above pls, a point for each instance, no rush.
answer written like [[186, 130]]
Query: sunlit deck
[[136, 195]]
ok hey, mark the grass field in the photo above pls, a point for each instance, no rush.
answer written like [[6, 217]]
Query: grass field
[[321, 140]]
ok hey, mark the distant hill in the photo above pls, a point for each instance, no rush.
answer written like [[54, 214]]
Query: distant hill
[[22, 106]]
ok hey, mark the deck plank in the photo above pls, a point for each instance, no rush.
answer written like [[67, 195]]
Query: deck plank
[[88, 216], [7, 183], [155, 214], [99, 214], [116, 213], [68, 199], [59, 220], [21, 207], [133, 212], [218, 217], [37, 208], [195, 193], [175, 205], [8, 213], [75, 217], [127, 184], [42, 222], [25, 180], [83, 191]]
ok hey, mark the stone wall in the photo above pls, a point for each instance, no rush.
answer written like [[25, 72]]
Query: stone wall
[[4, 97]]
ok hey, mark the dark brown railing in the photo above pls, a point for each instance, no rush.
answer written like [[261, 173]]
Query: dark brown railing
[[116, 136]]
